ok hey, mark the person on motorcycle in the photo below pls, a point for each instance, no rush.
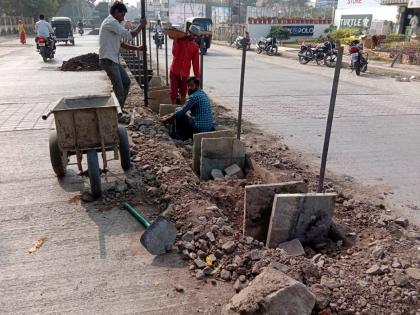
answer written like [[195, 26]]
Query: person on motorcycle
[[158, 27], [43, 29], [111, 35], [80, 24], [158, 34], [185, 51]]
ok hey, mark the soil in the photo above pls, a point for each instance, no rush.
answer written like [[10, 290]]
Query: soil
[[87, 62]]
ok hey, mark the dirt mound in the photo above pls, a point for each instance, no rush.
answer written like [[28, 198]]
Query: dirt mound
[[88, 62]]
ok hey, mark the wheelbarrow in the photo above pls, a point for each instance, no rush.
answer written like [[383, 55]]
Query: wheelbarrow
[[88, 125]]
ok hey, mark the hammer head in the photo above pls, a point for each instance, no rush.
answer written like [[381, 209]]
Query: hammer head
[[159, 237]]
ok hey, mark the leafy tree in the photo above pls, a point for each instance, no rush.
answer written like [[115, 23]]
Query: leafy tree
[[31, 7], [279, 32]]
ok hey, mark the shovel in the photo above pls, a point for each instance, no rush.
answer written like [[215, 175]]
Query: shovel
[[159, 235]]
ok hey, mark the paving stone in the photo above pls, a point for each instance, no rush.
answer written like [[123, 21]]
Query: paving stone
[[197, 144], [166, 109], [293, 248], [219, 153], [157, 97], [234, 171], [258, 205], [217, 175], [306, 217]]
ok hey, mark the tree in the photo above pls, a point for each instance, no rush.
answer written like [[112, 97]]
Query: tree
[[31, 7], [279, 32]]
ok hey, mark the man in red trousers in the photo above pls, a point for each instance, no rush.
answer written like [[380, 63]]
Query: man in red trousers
[[185, 52]]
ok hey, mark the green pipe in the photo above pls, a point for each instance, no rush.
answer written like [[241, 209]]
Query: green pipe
[[137, 215]]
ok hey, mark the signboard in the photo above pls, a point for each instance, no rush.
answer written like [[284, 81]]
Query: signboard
[[414, 4], [394, 2], [300, 30], [349, 4], [356, 21]]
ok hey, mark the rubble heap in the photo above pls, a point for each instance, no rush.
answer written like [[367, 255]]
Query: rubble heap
[[87, 62]]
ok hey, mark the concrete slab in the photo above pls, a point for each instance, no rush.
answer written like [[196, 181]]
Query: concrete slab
[[165, 109], [306, 217], [219, 153], [197, 144], [293, 248], [157, 97], [258, 204], [234, 171]]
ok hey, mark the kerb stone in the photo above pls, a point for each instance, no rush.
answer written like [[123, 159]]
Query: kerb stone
[[197, 144], [157, 97], [258, 204], [166, 109], [219, 153], [307, 217]]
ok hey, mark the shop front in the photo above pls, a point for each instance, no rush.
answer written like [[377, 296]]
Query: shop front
[[408, 15]]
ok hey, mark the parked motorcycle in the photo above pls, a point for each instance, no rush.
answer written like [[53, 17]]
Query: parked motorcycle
[[269, 45], [46, 47], [238, 43], [159, 38], [358, 60], [81, 31], [325, 52]]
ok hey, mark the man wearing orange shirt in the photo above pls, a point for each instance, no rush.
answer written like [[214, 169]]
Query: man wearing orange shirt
[[185, 52]]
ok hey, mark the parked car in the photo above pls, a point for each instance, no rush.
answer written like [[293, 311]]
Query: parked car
[[63, 29]]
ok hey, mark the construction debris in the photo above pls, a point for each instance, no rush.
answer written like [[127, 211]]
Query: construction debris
[[87, 62]]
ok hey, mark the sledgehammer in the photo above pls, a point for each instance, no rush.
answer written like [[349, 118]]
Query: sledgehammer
[[159, 235]]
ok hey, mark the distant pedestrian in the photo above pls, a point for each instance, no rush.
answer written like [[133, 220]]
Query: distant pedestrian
[[111, 35], [185, 52], [195, 116], [22, 33]]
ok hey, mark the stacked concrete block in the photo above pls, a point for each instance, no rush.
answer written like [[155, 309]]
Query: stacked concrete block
[[234, 172], [157, 97], [166, 109]]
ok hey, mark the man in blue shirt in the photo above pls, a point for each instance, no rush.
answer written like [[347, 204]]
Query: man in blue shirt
[[201, 114]]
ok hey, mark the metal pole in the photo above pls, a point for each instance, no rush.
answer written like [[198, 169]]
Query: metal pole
[[241, 89], [201, 61], [166, 60], [330, 120], [150, 45], [157, 57], [145, 72], [138, 62]]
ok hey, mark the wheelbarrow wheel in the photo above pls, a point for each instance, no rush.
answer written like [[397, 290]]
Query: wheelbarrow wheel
[[55, 156], [94, 173], [124, 148]]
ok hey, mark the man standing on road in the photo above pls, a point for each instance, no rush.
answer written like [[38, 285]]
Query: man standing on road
[[201, 118], [185, 51], [111, 34]]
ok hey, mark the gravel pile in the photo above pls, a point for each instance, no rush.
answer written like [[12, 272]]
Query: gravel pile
[[88, 62]]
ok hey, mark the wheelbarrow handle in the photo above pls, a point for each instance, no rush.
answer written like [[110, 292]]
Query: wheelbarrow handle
[[45, 116]]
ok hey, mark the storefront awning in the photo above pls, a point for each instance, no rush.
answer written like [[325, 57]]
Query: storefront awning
[[394, 2]]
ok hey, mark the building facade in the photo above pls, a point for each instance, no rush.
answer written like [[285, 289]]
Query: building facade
[[407, 11], [325, 4]]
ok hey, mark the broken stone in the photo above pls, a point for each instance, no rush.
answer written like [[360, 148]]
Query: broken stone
[[217, 175], [201, 254], [120, 186], [293, 248], [188, 236], [240, 285], [200, 274], [208, 270], [234, 171], [279, 266], [413, 273], [270, 292], [229, 247], [203, 245], [402, 222], [322, 295], [329, 283], [256, 254], [227, 230], [249, 240], [225, 274], [218, 253], [211, 237], [378, 252], [199, 263], [396, 263], [400, 279], [215, 229], [374, 270], [188, 245]]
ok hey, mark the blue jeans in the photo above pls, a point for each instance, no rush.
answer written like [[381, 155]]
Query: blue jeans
[[119, 79]]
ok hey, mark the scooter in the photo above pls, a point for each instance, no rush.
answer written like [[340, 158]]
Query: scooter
[[81, 31]]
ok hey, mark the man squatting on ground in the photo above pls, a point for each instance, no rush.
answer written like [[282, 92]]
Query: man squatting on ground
[[185, 52], [111, 34], [201, 118]]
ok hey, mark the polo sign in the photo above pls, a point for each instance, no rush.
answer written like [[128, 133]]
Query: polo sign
[[362, 21], [300, 30]]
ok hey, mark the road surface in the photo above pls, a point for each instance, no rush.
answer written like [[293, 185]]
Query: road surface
[[92, 261], [376, 132]]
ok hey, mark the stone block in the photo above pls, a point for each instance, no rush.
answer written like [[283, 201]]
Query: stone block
[[258, 204], [272, 292], [307, 217], [219, 153], [217, 175], [234, 171], [166, 109], [157, 97], [293, 248], [197, 144]]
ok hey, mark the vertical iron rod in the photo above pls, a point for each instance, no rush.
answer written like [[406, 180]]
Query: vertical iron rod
[[157, 55], [144, 61], [241, 89], [166, 60], [330, 120], [150, 45], [138, 61], [201, 61]]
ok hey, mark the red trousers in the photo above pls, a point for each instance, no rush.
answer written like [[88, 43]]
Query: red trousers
[[22, 38], [178, 86]]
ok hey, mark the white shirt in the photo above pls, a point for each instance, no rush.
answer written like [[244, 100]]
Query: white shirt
[[43, 28], [111, 34], [159, 28]]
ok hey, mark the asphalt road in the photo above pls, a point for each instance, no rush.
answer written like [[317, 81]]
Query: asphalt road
[[92, 261], [375, 137]]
